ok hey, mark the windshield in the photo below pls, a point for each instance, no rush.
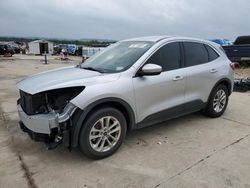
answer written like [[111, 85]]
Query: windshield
[[117, 57]]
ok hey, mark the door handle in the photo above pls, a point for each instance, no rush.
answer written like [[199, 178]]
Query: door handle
[[213, 71], [177, 78]]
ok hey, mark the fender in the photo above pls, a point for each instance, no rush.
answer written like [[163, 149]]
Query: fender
[[81, 116]]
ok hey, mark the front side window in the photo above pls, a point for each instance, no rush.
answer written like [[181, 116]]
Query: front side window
[[117, 57], [168, 57], [195, 54]]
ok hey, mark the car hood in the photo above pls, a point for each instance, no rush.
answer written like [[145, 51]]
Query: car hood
[[62, 78]]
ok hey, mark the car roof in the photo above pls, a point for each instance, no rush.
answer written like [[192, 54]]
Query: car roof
[[159, 38], [149, 38]]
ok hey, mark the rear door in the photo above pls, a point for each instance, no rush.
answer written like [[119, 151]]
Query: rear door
[[203, 69], [162, 95]]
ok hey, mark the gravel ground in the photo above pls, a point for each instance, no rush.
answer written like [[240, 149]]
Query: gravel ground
[[242, 72]]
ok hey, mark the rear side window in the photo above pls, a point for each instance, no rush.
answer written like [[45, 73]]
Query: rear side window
[[195, 54], [168, 57], [212, 55]]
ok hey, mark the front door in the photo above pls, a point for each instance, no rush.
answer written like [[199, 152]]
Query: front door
[[161, 96]]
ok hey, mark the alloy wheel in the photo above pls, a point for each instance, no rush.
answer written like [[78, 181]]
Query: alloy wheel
[[105, 133], [219, 101]]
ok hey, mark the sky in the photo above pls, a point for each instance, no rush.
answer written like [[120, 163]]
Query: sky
[[121, 19]]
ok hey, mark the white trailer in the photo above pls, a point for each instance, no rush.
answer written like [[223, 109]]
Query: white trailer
[[38, 47]]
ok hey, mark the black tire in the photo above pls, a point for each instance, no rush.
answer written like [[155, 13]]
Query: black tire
[[210, 110], [85, 143]]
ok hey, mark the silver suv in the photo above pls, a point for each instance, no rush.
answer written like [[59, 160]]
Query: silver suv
[[129, 85]]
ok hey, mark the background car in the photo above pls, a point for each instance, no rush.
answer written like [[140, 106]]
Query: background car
[[6, 49], [72, 49], [15, 47], [239, 51], [58, 48]]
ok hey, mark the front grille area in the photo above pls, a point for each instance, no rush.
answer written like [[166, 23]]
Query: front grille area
[[33, 104]]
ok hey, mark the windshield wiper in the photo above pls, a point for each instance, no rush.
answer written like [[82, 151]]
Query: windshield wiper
[[92, 69]]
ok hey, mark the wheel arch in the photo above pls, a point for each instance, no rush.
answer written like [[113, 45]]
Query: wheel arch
[[224, 81], [81, 115], [227, 82]]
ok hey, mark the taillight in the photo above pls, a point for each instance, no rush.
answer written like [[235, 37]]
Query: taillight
[[232, 65]]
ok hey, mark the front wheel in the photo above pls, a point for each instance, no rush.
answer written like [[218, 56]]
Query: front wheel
[[103, 133], [217, 103]]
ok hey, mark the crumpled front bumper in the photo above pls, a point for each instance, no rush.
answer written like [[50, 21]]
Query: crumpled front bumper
[[41, 123], [44, 124]]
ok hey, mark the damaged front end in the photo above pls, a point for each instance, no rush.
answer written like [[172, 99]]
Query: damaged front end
[[46, 116]]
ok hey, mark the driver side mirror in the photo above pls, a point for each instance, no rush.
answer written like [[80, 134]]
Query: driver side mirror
[[150, 70]]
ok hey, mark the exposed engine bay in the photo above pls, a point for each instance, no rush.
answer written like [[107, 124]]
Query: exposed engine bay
[[45, 102]]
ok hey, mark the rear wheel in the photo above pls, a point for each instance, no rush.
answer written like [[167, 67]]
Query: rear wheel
[[217, 103], [103, 133]]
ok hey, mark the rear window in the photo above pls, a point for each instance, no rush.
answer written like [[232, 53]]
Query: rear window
[[195, 54], [212, 55]]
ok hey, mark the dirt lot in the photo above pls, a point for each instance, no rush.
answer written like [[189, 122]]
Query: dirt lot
[[242, 72], [192, 151]]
